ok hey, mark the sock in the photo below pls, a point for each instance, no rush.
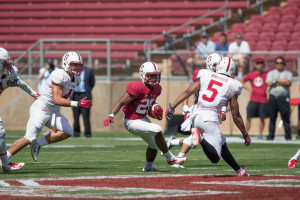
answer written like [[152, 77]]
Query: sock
[[181, 154], [8, 155], [229, 159], [4, 159], [148, 165], [175, 142], [296, 156], [298, 132], [42, 142], [168, 155]]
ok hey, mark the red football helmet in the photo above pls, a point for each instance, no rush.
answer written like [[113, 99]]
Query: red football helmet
[[150, 73], [5, 62]]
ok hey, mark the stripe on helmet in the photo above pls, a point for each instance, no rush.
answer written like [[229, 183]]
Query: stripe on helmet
[[154, 65], [228, 65]]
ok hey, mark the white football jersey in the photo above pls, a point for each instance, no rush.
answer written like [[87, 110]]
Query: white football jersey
[[59, 77], [216, 90]]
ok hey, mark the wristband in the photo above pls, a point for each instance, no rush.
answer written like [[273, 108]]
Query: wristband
[[111, 115], [185, 108], [74, 103]]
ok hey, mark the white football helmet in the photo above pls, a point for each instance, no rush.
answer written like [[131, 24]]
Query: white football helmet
[[150, 73], [72, 62], [5, 62], [226, 67], [213, 60]]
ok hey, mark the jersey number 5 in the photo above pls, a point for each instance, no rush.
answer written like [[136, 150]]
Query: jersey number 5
[[213, 90]]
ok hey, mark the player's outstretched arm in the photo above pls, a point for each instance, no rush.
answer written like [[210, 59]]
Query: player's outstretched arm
[[27, 88], [237, 118], [125, 99], [194, 87]]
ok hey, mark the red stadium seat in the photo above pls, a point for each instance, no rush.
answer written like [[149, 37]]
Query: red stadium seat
[[275, 10], [231, 36], [263, 46], [282, 36], [252, 44], [176, 67], [291, 18], [216, 36], [269, 27], [294, 46], [251, 36], [285, 27], [266, 36], [238, 27], [257, 19], [274, 18], [294, 2], [296, 28], [290, 10], [295, 36], [279, 46], [256, 27]]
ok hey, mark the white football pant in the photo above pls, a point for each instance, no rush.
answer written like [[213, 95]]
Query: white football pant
[[211, 133], [143, 128], [41, 116], [2, 138]]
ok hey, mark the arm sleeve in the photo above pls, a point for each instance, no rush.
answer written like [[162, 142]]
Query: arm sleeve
[[26, 88]]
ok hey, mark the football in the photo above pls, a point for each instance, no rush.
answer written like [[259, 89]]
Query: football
[[156, 112]]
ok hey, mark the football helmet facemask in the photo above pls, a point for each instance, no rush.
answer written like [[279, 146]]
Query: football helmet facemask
[[150, 73], [213, 60], [72, 62], [5, 62], [226, 67]]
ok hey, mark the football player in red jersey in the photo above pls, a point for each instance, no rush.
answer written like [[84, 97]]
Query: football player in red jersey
[[138, 100]]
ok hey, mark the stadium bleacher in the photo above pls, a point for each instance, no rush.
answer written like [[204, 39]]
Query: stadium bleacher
[[25, 22]]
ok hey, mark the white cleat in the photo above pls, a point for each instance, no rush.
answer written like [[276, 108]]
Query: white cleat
[[35, 149], [177, 160], [12, 167]]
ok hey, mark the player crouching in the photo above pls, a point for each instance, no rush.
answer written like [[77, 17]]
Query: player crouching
[[138, 101]]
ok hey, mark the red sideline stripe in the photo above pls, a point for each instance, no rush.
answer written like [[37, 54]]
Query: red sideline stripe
[[154, 65], [228, 65]]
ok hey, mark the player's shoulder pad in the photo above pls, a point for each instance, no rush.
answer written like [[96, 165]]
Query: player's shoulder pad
[[59, 76], [203, 72], [135, 87]]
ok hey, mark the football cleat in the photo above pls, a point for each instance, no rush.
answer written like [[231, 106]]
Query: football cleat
[[12, 167], [243, 172], [35, 149], [292, 163], [152, 169], [195, 137], [177, 160]]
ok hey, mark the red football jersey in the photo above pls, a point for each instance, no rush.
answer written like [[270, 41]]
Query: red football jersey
[[259, 86], [138, 108]]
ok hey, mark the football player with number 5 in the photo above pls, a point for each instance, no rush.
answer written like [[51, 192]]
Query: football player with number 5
[[45, 110], [215, 91], [138, 101]]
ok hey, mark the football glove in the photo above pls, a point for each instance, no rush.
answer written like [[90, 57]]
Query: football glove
[[223, 116], [247, 140], [85, 103], [108, 120], [157, 111], [37, 96], [170, 112]]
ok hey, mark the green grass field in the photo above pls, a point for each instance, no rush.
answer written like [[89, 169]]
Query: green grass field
[[121, 153]]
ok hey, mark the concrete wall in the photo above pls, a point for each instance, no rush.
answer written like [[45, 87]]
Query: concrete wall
[[105, 96]]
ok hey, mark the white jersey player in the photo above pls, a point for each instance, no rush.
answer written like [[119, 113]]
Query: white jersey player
[[187, 126], [9, 78], [215, 90], [45, 111]]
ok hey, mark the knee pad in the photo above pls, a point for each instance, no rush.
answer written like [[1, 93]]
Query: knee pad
[[188, 141]]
